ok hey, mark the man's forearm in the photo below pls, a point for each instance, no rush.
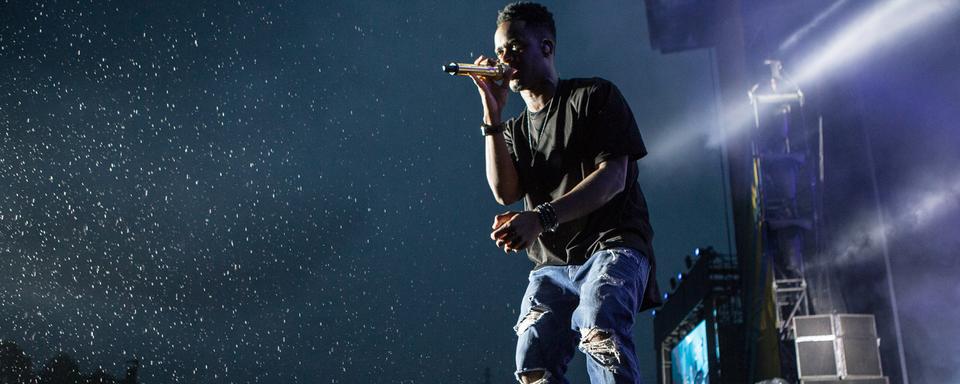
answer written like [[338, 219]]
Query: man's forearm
[[593, 192], [501, 173]]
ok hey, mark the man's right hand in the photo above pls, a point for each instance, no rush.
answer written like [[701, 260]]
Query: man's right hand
[[492, 94]]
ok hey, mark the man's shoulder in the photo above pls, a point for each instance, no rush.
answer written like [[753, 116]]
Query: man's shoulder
[[587, 84], [587, 94]]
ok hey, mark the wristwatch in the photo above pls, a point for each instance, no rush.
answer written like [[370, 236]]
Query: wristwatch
[[488, 129]]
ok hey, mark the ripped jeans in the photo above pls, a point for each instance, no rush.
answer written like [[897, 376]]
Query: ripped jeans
[[565, 306]]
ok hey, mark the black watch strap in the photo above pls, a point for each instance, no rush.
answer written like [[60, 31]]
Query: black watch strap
[[488, 129]]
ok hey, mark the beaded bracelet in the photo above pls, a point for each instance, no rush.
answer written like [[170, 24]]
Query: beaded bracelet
[[548, 217]]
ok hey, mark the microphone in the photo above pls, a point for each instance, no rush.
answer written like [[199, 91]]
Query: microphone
[[464, 69]]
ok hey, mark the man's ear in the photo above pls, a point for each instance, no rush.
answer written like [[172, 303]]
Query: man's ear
[[547, 46]]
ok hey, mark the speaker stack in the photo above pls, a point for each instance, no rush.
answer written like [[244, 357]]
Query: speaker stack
[[838, 348]]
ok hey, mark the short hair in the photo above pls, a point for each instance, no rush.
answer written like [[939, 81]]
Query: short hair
[[533, 14]]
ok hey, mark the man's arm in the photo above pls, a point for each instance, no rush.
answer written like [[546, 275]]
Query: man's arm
[[599, 187], [501, 173]]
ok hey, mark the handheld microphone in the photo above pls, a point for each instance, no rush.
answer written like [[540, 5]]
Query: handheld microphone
[[463, 69]]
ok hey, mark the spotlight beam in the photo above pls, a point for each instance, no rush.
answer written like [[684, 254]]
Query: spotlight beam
[[806, 29], [884, 23]]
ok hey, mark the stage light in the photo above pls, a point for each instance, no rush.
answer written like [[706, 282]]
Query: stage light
[[882, 23], [696, 252]]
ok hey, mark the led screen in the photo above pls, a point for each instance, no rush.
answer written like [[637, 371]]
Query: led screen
[[689, 358]]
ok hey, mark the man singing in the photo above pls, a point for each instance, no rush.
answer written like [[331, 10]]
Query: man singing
[[571, 155]]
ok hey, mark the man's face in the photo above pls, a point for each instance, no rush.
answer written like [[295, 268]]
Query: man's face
[[521, 50]]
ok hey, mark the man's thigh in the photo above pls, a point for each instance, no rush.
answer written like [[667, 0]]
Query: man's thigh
[[611, 286], [545, 340]]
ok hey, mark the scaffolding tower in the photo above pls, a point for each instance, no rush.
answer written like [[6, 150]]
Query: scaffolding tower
[[787, 167]]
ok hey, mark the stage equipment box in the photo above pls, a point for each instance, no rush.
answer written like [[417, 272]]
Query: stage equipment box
[[882, 380], [838, 347]]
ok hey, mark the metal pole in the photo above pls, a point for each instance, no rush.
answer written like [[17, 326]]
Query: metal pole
[[886, 259]]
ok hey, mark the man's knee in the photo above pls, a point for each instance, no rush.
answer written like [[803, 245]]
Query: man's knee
[[602, 346], [537, 376], [531, 318]]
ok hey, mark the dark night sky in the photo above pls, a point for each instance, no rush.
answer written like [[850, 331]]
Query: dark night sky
[[293, 192]]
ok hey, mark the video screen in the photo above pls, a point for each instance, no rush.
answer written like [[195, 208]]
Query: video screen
[[689, 358]]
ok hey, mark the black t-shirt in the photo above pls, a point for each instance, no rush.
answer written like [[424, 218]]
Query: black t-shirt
[[585, 123]]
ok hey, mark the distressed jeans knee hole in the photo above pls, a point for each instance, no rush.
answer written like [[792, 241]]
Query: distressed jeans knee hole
[[602, 346], [544, 377], [530, 319]]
